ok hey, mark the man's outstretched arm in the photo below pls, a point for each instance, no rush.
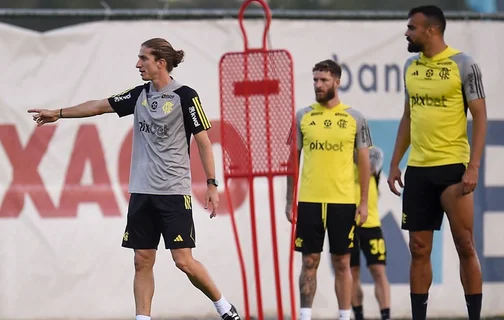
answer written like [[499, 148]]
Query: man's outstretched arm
[[123, 104], [83, 110]]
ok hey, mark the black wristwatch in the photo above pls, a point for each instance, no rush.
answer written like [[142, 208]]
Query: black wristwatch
[[212, 181]]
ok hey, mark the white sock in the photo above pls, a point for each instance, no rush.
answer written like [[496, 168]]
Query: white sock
[[345, 314], [143, 318], [305, 314], [222, 306]]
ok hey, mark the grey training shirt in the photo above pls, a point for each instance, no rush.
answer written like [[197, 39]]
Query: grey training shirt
[[163, 123]]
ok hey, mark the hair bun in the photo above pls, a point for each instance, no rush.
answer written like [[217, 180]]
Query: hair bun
[[178, 58]]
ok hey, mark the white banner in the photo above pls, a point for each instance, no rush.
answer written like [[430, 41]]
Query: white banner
[[62, 187]]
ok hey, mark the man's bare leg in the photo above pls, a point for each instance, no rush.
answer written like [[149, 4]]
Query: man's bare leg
[[460, 212], [357, 294], [308, 283], [143, 284], [200, 278], [420, 272], [382, 289], [343, 283]]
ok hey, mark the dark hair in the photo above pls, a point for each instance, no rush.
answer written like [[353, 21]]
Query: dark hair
[[162, 49], [330, 66], [433, 13], [377, 177]]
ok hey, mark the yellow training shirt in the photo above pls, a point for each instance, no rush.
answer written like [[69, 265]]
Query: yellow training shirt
[[438, 90], [328, 138], [376, 160]]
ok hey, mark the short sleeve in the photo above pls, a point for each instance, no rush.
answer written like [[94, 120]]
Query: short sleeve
[[299, 133], [406, 93], [363, 135], [472, 79], [407, 64], [292, 132], [376, 159], [296, 128], [124, 103], [195, 118]]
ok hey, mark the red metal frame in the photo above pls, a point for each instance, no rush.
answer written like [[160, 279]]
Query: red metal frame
[[270, 174]]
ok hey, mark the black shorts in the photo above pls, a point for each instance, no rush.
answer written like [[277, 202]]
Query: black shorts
[[423, 186], [372, 244], [150, 216], [313, 220]]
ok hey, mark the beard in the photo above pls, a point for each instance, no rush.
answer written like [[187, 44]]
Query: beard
[[330, 94], [414, 47]]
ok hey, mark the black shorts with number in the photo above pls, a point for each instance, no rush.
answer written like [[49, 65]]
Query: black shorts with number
[[150, 216], [423, 186], [313, 220], [372, 244]]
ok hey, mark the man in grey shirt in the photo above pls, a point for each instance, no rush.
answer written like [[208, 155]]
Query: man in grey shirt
[[166, 114]]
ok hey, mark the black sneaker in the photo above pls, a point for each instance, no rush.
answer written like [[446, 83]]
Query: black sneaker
[[231, 314]]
